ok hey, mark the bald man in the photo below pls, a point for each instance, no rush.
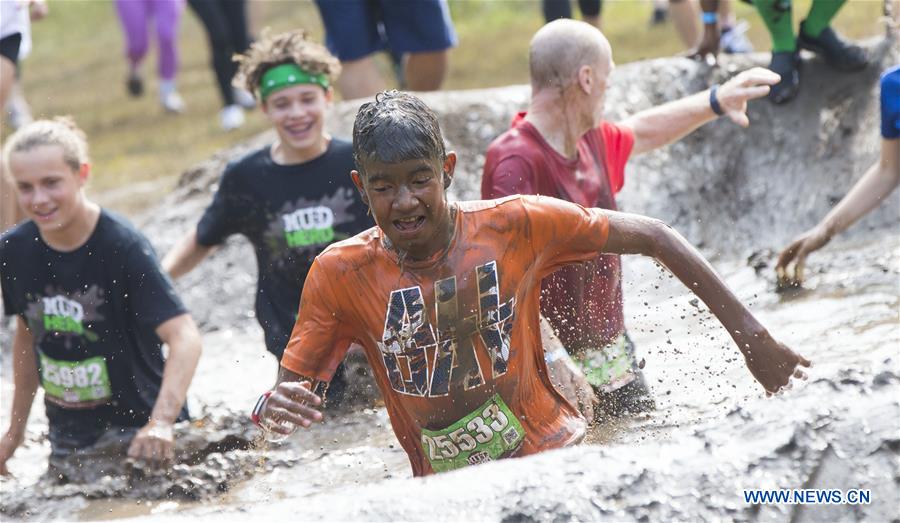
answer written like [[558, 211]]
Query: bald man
[[562, 147]]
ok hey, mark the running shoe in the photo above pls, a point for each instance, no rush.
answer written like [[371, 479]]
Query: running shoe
[[135, 85], [231, 117], [172, 102], [734, 39], [835, 50], [786, 64]]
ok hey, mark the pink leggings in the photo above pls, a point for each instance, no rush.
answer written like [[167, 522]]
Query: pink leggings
[[135, 16]]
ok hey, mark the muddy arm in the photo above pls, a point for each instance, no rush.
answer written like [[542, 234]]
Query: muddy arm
[[668, 123], [186, 254], [181, 335], [876, 184], [25, 379], [154, 442], [771, 363]]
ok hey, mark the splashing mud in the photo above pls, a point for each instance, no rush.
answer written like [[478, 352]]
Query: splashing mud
[[739, 194]]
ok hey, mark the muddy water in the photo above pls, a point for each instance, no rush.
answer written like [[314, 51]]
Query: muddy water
[[712, 432]]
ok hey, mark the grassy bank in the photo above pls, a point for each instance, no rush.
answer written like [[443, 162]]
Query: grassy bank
[[77, 68]]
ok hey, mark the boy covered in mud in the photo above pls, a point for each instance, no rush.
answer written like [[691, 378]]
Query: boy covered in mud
[[291, 198], [444, 298]]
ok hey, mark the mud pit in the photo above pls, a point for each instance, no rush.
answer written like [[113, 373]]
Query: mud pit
[[739, 194]]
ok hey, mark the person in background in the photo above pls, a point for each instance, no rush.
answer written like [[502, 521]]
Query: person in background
[[815, 34], [135, 17], [291, 198], [93, 310], [418, 35], [225, 22], [590, 10], [562, 147], [15, 44], [868, 193]]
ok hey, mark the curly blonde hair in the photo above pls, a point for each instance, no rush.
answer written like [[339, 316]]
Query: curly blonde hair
[[272, 50], [61, 131]]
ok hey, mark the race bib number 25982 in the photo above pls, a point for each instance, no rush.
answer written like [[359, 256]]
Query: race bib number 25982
[[75, 384]]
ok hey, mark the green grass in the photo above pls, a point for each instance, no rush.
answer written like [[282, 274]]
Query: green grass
[[78, 68]]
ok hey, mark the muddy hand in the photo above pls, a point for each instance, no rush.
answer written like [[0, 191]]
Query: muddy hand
[[572, 384], [8, 446], [773, 364], [154, 444], [734, 94], [293, 402], [797, 252]]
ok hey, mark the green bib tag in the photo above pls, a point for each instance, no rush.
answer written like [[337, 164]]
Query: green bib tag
[[75, 384], [609, 367], [488, 433]]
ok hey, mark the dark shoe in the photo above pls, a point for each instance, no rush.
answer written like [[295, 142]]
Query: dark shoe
[[632, 398], [836, 51], [786, 64], [135, 85], [659, 16]]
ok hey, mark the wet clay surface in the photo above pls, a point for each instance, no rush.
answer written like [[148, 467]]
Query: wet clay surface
[[740, 195]]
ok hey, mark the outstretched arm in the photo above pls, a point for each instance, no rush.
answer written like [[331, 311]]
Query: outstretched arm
[[770, 362], [186, 254], [878, 182], [155, 441], [25, 380], [667, 123]]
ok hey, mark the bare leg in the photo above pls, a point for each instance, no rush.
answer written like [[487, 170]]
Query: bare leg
[[9, 205], [726, 13], [426, 71], [686, 17], [359, 79]]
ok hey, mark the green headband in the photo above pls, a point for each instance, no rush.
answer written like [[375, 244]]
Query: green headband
[[286, 75]]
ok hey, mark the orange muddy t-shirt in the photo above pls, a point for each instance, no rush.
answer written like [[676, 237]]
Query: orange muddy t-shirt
[[446, 334]]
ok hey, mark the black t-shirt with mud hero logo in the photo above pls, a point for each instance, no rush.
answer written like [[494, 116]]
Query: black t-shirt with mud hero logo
[[92, 313], [290, 213]]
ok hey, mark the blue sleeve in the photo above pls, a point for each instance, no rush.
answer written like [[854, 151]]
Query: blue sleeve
[[890, 103], [151, 296]]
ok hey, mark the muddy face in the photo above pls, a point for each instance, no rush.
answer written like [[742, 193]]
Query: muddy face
[[409, 202]]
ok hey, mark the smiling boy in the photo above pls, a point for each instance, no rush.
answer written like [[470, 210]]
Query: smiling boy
[[445, 297], [292, 198]]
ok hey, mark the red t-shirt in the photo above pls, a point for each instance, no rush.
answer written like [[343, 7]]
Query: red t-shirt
[[446, 334], [583, 302]]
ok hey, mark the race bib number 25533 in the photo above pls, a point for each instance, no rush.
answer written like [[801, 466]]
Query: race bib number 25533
[[488, 433]]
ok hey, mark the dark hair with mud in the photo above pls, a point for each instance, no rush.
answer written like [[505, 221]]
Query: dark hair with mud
[[394, 128], [272, 50]]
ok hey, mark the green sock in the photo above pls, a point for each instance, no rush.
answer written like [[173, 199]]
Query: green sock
[[820, 15], [777, 16]]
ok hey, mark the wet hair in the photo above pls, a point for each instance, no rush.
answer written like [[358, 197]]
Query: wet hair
[[60, 131], [559, 49], [272, 50], [394, 128]]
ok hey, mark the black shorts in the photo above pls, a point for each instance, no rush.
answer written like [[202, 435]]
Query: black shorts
[[9, 47]]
